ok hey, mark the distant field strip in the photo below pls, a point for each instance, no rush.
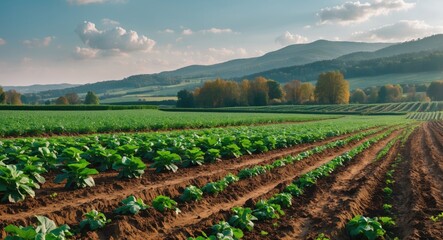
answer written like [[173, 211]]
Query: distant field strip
[[364, 109], [426, 116], [38, 123]]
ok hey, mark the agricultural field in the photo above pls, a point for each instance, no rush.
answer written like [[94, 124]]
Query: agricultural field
[[38, 123], [277, 181], [363, 109]]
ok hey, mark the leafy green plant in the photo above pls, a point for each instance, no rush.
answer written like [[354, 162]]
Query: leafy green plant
[[129, 167], [215, 187], [388, 191], [131, 205], [242, 218], [212, 155], [231, 151], [162, 203], [294, 190], [166, 160], [15, 185], [231, 178], [47, 229], [251, 172], [282, 199], [266, 210], [78, 175], [387, 207], [437, 218], [193, 157], [191, 193], [361, 227], [221, 231], [94, 220], [321, 236]]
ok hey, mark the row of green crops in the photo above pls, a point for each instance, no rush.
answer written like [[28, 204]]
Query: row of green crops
[[132, 205], [243, 218], [24, 161], [426, 116], [36, 123], [364, 109]]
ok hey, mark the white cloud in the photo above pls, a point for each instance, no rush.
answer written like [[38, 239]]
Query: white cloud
[[116, 38], [187, 32], [84, 53], [86, 2], [36, 42], [110, 23], [288, 38], [350, 12], [168, 30], [2, 41], [217, 30], [398, 32]]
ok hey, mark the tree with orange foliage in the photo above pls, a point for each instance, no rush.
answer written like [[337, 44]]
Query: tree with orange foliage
[[332, 88]]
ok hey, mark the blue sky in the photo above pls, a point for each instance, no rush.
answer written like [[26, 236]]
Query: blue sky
[[81, 41]]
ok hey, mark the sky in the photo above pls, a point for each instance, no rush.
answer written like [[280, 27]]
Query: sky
[[84, 41]]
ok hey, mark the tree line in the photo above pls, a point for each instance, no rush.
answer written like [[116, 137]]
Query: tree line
[[12, 97], [331, 88]]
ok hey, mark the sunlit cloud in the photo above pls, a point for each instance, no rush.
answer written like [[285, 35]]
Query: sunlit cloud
[[288, 38], [36, 42], [2, 41]]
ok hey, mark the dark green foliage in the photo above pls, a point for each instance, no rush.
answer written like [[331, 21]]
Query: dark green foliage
[[131, 205], [47, 229], [94, 220], [15, 185], [242, 218], [129, 167], [191, 193], [162, 203], [77, 175]]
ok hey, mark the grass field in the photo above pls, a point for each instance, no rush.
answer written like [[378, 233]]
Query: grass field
[[35, 123]]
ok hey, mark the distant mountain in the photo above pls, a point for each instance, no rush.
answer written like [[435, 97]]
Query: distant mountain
[[421, 55], [39, 87], [432, 43], [291, 55], [296, 54]]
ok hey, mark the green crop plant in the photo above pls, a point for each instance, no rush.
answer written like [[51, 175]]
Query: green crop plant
[[15, 185], [321, 236], [166, 160], [251, 172], [131, 205], [47, 229], [162, 203], [294, 190], [215, 187], [94, 220], [361, 227], [242, 218], [282, 199], [437, 217], [212, 155], [193, 157], [129, 167], [223, 230], [266, 210], [230, 178], [191, 193], [77, 175]]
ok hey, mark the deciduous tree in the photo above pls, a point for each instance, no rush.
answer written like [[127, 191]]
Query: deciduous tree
[[72, 98], [91, 98], [185, 99], [390, 93], [62, 101], [435, 91], [358, 96], [332, 88]]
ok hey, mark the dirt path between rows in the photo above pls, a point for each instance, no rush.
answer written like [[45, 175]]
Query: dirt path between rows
[[69, 206], [419, 192], [335, 199]]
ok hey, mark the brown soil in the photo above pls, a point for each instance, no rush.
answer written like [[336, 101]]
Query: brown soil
[[69, 206], [325, 208], [419, 192]]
